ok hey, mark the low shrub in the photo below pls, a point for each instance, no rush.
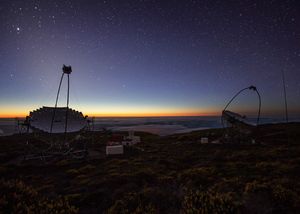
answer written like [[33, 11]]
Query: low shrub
[[132, 203], [270, 198], [16, 197], [202, 202]]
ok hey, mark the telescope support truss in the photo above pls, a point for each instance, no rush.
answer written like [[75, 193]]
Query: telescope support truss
[[66, 70]]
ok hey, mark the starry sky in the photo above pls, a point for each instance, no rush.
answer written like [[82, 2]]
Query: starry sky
[[149, 57]]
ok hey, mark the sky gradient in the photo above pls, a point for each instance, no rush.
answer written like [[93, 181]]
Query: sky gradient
[[149, 58]]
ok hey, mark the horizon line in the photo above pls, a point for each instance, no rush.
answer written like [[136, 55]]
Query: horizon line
[[125, 116]]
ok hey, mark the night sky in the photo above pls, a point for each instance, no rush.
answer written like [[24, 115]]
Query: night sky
[[145, 58]]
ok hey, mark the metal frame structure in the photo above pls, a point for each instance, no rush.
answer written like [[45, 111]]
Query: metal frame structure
[[66, 70], [58, 147], [240, 124]]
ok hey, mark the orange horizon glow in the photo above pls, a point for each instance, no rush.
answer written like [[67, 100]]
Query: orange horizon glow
[[132, 111], [154, 114], [124, 112], [179, 114]]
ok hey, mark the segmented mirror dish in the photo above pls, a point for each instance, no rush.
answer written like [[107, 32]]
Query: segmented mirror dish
[[41, 119]]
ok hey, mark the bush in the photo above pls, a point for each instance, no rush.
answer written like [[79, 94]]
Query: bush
[[270, 198], [196, 202], [203, 176], [16, 197], [132, 203]]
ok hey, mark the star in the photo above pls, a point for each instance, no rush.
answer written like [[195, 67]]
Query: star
[[172, 46]]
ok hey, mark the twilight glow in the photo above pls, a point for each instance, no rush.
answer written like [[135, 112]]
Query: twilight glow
[[149, 58]]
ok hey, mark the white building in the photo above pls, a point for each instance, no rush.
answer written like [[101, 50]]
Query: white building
[[114, 150], [131, 139], [204, 140]]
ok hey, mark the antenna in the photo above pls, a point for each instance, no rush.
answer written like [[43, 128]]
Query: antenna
[[285, 100]]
